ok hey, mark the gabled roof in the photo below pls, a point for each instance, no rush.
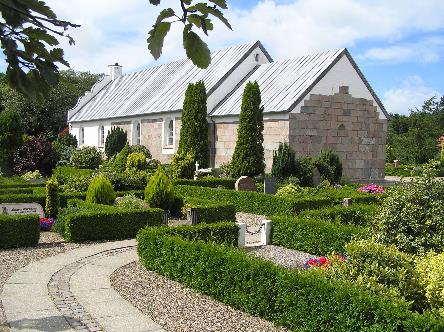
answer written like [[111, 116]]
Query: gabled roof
[[162, 88], [285, 83]]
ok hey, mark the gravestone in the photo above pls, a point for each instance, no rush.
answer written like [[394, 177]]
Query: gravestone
[[396, 163], [245, 183], [270, 186], [316, 177], [346, 202], [21, 208]]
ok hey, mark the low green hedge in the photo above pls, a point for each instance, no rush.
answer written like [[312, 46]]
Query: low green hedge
[[19, 230], [5, 185], [313, 236], [357, 214], [297, 300], [211, 182], [225, 233], [253, 202], [64, 173], [8, 191], [211, 212], [103, 222]]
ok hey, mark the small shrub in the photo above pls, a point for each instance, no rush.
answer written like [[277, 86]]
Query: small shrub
[[412, 216], [183, 165], [115, 141], [100, 191], [36, 154], [32, 175], [131, 202], [77, 184], [304, 171], [19, 230], [52, 198], [136, 161], [430, 273], [284, 162], [86, 157], [290, 191], [329, 166], [211, 212], [118, 163], [159, 191], [140, 149], [371, 188], [64, 173]]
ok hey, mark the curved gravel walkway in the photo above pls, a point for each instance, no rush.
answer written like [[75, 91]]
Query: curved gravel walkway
[[179, 309]]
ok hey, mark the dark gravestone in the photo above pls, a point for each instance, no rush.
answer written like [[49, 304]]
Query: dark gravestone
[[270, 186], [245, 183], [316, 177]]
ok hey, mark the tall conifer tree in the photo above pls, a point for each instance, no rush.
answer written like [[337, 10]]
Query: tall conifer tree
[[248, 156], [194, 131]]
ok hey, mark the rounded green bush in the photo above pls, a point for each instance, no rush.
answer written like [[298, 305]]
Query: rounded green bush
[[290, 190], [159, 191], [100, 191], [86, 157], [140, 149], [136, 161], [183, 165]]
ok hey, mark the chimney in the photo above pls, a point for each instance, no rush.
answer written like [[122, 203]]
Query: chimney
[[114, 71]]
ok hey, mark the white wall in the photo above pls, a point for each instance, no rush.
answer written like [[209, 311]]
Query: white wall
[[342, 74], [235, 77]]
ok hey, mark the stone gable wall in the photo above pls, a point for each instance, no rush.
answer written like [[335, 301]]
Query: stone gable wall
[[350, 126]]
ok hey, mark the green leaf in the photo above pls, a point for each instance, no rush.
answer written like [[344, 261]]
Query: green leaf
[[221, 3], [154, 2], [156, 38], [201, 22], [40, 7], [205, 9], [196, 49], [166, 13]]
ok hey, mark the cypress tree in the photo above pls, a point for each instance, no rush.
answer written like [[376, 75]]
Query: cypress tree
[[248, 156], [194, 131], [284, 162]]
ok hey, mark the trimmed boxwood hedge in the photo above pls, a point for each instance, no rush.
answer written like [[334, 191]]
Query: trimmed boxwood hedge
[[297, 300], [314, 236], [211, 182], [225, 233], [211, 212], [253, 202], [357, 214], [101, 222], [8, 191], [22, 185], [19, 230]]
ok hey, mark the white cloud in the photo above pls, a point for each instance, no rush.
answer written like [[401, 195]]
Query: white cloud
[[410, 95], [426, 50]]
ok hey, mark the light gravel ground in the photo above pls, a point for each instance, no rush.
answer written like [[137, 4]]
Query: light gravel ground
[[179, 309], [11, 260], [288, 258]]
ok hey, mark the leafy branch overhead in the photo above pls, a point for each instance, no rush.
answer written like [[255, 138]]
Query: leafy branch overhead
[[197, 16], [28, 36]]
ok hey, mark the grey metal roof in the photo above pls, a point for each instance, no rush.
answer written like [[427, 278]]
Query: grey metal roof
[[159, 89], [281, 83]]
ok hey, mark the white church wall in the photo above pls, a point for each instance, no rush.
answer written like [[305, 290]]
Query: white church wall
[[342, 74], [255, 58]]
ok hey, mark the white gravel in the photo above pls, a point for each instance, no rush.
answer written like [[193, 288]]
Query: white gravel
[[179, 309], [11, 260], [288, 258]]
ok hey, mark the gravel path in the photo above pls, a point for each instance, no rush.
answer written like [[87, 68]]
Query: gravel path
[[288, 258], [179, 309], [11, 260]]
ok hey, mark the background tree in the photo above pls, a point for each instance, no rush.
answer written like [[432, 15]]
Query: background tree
[[49, 114], [248, 156], [284, 162], [10, 139], [194, 130], [413, 138]]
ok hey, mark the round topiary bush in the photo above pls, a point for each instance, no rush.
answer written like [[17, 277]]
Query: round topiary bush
[[183, 165], [159, 191], [100, 191], [86, 157], [412, 215], [115, 141], [136, 161], [140, 149]]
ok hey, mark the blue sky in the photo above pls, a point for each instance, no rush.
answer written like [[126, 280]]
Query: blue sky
[[399, 45]]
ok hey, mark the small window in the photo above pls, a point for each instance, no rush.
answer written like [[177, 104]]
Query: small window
[[256, 57], [170, 133], [138, 133], [102, 136], [82, 136]]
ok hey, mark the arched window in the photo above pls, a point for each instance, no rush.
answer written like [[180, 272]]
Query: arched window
[[170, 133], [138, 133], [102, 136], [82, 136]]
